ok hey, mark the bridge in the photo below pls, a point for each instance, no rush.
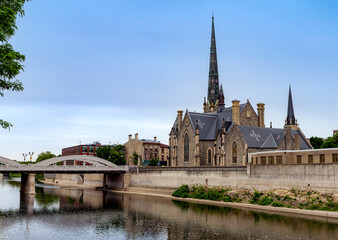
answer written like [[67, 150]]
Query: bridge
[[113, 174]]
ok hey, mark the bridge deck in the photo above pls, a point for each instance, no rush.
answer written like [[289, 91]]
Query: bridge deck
[[62, 169]]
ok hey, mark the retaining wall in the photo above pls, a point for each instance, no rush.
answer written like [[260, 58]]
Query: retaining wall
[[318, 177]]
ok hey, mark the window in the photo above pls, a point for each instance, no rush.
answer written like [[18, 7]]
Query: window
[[310, 158], [322, 158], [219, 160], [335, 158], [209, 156], [91, 149], [271, 159], [84, 149], [279, 160], [186, 148], [248, 113], [299, 159], [234, 152], [263, 160]]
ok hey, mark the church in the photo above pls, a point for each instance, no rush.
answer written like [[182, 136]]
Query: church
[[224, 136]]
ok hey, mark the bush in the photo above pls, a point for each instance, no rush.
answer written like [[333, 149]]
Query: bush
[[265, 201], [182, 191], [255, 197], [226, 198], [198, 191], [213, 194], [277, 204]]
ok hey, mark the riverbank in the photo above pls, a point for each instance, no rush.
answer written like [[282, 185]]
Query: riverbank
[[163, 193]]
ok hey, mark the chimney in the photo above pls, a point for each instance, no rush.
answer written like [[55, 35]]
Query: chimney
[[155, 139], [179, 119], [296, 141], [260, 111], [136, 136], [235, 111], [129, 137]]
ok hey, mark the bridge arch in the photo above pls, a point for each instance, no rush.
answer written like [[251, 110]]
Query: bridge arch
[[95, 161], [8, 162]]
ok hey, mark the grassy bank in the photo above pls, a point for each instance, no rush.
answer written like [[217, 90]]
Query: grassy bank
[[293, 198]]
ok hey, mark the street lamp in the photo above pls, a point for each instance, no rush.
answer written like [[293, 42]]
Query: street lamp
[[30, 155], [24, 156]]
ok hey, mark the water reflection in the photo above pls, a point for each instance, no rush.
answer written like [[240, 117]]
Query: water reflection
[[68, 213]]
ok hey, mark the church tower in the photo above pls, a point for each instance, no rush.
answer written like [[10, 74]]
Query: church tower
[[213, 83], [291, 121]]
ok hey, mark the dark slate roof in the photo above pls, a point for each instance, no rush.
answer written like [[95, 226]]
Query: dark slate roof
[[257, 137], [211, 123]]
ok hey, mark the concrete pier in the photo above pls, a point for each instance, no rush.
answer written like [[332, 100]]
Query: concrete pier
[[27, 183]]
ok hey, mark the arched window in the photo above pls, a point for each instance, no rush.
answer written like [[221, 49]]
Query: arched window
[[186, 148], [234, 152], [209, 156], [219, 160]]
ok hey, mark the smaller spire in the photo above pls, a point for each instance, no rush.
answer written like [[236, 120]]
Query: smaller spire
[[290, 119], [221, 100]]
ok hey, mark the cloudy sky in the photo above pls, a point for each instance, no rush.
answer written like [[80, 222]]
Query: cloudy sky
[[100, 70]]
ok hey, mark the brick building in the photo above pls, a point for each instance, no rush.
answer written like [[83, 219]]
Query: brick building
[[224, 136], [146, 148], [82, 149]]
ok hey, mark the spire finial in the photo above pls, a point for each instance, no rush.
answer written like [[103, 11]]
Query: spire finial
[[290, 119]]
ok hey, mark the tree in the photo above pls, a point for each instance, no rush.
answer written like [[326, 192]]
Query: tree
[[135, 157], [10, 60], [154, 161], [331, 142], [45, 155], [316, 142], [112, 153]]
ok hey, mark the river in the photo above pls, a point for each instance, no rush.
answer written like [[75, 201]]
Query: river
[[73, 213]]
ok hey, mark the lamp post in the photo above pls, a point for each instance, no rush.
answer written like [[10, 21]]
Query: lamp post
[[24, 156], [30, 155]]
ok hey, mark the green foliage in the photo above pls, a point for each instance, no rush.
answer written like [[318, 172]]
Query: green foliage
[[213, 194], [45, 155], [154, 161], [226, 198], [277, 204], [265, 201], [135, 157], [112, 153], [182, 191], [255, 197], [316, 142], [198, 191], [10, 60], [331, 142], [287, 197]]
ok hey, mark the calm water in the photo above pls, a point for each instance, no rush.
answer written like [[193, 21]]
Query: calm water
[[66, 213]]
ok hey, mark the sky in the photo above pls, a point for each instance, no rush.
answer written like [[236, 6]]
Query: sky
[[101, 70]]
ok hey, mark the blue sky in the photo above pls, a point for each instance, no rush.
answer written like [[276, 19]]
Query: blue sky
[[100, 70]]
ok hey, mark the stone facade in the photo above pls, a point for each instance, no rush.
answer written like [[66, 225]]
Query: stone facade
[[146, 149]]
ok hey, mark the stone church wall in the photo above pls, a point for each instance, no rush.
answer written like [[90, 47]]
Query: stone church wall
[[204, 146], [248, 116], [234, 135]]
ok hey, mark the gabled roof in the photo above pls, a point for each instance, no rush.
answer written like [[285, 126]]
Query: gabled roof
[[257, 137], [210, 123]]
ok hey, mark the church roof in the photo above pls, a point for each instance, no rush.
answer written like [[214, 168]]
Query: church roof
[[210, 123], [257, 137]]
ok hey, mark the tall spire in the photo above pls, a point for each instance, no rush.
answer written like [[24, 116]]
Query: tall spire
[[213, 85], [290, 119]]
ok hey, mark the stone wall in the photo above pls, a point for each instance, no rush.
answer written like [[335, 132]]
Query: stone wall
[[317, 177]]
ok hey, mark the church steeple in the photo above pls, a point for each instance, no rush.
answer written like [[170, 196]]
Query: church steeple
[[290, 119], [213, 85]]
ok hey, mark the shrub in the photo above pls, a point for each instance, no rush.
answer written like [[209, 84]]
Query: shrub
[[255, 197], [226, 198], [277, 204], [286, 197], [265, 201], [198, 191], [181, 191], [213, 194]]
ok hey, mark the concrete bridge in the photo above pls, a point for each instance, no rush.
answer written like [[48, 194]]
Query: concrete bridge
[[86, 164]]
